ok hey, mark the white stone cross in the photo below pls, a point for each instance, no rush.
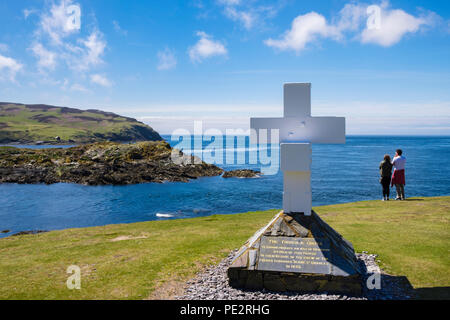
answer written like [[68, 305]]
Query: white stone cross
[[297, 130]]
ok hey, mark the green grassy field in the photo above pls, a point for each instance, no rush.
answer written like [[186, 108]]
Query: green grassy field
[[31, 123], [134, 261]]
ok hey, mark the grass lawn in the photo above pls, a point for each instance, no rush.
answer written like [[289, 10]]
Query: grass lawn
[[411, 238]]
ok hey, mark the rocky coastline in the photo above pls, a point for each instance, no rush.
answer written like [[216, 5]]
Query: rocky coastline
[[103, 163]]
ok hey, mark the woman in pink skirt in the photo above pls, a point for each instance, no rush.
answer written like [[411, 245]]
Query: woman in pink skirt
[[398, 177]]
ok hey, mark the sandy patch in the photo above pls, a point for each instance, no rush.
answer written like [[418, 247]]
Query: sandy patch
[[168, 291], [122, 238]]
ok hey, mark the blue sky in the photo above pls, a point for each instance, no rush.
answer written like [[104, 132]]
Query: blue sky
[[222, 61]]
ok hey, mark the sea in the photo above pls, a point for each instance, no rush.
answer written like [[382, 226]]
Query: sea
[[340, 174]]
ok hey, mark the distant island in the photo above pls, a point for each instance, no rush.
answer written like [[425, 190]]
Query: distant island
[[45, 124]]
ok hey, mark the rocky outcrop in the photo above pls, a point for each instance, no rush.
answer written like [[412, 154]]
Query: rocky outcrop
[[241, 173], [105, 163], [24, 233]]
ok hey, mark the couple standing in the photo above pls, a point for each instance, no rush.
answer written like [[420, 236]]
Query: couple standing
[[398, 177]]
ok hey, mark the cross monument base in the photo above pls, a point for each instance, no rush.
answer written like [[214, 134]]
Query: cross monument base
[[297, 252]]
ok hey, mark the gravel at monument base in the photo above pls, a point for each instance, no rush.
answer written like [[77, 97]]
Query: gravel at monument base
[[212, 284]]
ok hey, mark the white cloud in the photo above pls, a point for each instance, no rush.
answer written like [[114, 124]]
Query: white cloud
[[119, 29], [46, 58], [230, 2], [350, 18], [166, 60], [206, 47], [100, 80], [79, 88], [58, 30], [9, 68], [248, 13], [62, 20], [305, 28], [92, 50], [82, 56], [246, 18], [28, 12], [353, 18], [394, 24]]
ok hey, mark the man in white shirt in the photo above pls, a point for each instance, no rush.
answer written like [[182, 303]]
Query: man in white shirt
[[398, 177]]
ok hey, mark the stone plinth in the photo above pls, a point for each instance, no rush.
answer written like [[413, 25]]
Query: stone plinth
[[295, 252]]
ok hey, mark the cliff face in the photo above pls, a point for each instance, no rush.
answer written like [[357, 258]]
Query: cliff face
[[101, 164], [28, 124]]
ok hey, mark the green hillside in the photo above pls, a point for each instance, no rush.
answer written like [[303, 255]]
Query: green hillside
[[28, 124]]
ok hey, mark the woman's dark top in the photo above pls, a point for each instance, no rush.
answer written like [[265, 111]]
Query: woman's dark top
[[385, 169]]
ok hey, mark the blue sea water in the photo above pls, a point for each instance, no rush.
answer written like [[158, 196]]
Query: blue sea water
[[340, 173]]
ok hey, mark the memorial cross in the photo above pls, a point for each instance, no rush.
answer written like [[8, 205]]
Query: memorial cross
[[297, 131]]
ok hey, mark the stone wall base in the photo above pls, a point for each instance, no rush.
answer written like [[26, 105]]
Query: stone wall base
[[281, 281]]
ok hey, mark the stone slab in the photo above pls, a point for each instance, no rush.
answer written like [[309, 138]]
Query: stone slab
[[300, 255]]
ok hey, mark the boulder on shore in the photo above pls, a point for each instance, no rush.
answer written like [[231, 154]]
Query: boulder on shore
[[242, 173]]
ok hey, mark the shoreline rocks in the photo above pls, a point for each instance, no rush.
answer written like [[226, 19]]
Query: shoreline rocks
[[103, 163], [22, 233], [242, 173], [26, 144]]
